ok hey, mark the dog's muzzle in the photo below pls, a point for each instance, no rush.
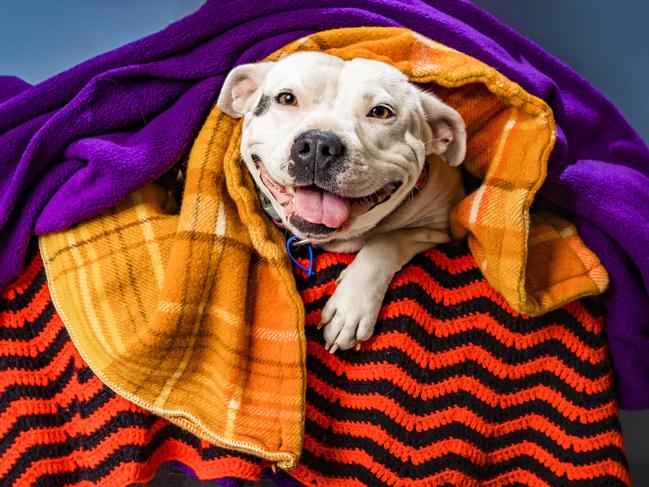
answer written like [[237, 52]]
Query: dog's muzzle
[[313, 204]]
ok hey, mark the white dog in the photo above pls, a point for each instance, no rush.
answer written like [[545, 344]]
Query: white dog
[[339, 148]]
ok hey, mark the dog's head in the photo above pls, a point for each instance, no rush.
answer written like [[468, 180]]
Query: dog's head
[[337, 145]]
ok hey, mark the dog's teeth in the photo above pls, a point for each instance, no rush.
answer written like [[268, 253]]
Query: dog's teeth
[[289, 190]]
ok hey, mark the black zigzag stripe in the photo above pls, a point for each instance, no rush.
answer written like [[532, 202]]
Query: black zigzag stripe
[[414, 405], [480, 306], [432, 466], [24, 299], [89, 407], [454, 430], [355, 471], [431, 269], [72, 445], [130, 453], [40, 361], [434, 271], [485, 306], [31, 422], [509, 355], [30, 329], [387, 458], [85, 374], [517, 324], [47, 391], [594, 307], [474, 371]]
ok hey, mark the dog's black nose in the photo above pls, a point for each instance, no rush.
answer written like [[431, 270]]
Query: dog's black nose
[[317, 150]]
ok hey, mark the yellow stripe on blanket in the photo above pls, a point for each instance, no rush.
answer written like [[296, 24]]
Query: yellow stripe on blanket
[[196, 316]]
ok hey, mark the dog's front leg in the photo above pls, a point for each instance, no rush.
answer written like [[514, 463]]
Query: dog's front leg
[[350, 314]]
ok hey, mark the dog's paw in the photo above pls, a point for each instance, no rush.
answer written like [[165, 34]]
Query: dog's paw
[[350, 314]]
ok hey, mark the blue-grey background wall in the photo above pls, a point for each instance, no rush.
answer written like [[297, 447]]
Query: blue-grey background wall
[[39, 38], [606, 42]]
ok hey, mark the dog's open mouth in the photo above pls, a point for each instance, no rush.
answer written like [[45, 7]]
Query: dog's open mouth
[[320, 208]]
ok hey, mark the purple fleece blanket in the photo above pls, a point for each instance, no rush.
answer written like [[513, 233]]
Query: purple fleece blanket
[[79, 142]]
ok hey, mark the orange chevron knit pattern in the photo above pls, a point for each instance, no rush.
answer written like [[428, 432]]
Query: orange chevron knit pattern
[[454, 388]]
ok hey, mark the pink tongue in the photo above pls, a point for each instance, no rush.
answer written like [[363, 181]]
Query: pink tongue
[[317, 206]]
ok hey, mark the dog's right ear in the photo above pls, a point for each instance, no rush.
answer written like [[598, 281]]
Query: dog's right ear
[[238, 88], [448, 130]]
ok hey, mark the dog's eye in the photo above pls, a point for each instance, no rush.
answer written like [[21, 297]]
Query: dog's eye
[[381, 111], [286, 99]]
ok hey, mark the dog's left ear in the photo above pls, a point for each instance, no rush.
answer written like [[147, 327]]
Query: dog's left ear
[[240, 86], [448, 130]]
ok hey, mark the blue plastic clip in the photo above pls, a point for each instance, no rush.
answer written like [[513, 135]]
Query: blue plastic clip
[[289, 243]]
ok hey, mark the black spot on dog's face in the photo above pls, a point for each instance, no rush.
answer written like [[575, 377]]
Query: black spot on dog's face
[[263, 106]]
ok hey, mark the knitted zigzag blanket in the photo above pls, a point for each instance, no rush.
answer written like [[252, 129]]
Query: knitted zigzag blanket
[[455, 388]]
